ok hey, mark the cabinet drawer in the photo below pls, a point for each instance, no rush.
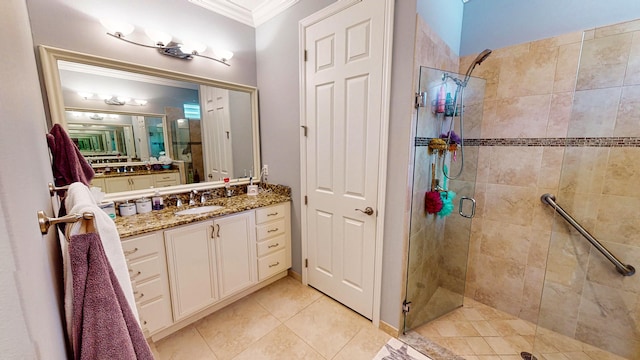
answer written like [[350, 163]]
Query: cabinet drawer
[[168, 177], [141, 246], [270, 229], [270, 213], [144, 292], [163, 183], [271, 245], [155, 315], [142, 270], [272, 264]]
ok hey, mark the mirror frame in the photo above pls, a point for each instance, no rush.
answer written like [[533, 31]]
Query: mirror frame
[[49, 57]]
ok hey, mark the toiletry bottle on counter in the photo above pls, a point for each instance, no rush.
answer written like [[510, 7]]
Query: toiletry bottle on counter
[[156, 201], [227, 187]]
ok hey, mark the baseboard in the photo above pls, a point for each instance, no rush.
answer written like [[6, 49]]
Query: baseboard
[[295, 275], [389, 329]]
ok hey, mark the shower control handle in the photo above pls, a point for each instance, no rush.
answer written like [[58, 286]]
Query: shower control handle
[[368, 210]]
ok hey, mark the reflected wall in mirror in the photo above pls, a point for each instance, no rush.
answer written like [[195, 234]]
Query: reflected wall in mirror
[[123, 112]]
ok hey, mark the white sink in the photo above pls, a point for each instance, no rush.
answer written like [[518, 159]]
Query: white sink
[[199, 210]]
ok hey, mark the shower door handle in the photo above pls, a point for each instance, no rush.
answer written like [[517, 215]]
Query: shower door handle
[[473, 207]]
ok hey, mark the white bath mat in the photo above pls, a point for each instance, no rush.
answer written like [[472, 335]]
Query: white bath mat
[[395, 349]]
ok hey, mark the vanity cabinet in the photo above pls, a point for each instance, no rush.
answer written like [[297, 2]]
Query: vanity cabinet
[[98, 183], [146, 260], [210, 260], [167, 179], [273, 240], [127, 183]]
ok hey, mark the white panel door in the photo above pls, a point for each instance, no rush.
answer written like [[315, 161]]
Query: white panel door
[[344, 76], [217, 133]]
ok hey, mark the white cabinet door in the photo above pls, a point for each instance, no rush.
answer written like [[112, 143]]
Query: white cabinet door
[[141, 182], [192, 262], [117, 184], [236, 254]]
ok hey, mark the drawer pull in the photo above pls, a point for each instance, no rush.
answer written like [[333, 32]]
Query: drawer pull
[[276, 264], [131, 252], [272, 214], [274, 245], [134, 275], [272, 230]]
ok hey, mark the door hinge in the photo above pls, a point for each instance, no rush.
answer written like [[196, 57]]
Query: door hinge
[[406, 306], [421, 99], [306, 263], [304, 127], [306, 200], [305, 55]]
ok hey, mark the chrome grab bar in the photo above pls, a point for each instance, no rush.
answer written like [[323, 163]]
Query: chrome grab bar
[[626, 270]]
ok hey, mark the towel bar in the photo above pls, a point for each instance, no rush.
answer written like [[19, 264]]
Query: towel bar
[[53, 188], [45, 222]]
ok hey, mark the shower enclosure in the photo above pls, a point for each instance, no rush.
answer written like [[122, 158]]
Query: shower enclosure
[[439, 243], [577, 305]]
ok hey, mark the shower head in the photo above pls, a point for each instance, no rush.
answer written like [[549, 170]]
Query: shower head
[[478, 60]]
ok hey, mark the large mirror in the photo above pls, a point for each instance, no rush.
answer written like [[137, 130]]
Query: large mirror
[[142, 123]]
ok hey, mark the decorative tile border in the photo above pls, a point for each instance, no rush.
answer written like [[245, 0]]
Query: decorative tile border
[[557, 142]]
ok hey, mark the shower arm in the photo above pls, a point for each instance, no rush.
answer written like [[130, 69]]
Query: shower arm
[[626, 270]]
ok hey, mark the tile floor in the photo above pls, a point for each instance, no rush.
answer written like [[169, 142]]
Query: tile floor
[[287, 320], [284, 320], [479, 332]]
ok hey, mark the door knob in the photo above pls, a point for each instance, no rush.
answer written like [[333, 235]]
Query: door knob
[[368, 210]]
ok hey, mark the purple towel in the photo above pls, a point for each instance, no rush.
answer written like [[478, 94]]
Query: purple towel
[[103, 326], [69, 165]]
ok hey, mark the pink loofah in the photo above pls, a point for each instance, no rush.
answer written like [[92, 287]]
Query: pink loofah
[[432, 202]]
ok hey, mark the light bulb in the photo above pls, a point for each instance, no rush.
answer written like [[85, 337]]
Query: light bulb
[[159, 38], [224, 55], [190, 46], [117, 27]]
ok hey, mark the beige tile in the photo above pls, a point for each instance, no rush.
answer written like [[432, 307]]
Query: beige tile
[[564, 39], [583, 172], [326, 325], [604, 61], [510, 204], [555, 356], [286, 297], [458, 345], [505, 241], [622, 172], [590, 110], [566, 68], [619, 28], [364, 346], [560, 114], [520, 117], [484, 328], [502, 346], [184, 344], [535, 68], [627, 119], [480, 346], [515, 165], [632, 76], [233, 329], [618, 220], [456, 329], [280, 344]]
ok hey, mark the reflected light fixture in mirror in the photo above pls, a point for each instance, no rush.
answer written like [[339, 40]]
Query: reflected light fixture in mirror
[[164, 44]]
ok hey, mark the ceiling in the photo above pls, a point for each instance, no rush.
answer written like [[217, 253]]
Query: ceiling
[[250, 12]]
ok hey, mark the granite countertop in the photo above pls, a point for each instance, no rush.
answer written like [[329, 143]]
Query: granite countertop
[[166, 218], [134, 173]]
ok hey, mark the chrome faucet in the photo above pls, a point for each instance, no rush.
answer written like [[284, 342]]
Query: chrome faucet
[[203, 197], [178, 201], [192, 200]]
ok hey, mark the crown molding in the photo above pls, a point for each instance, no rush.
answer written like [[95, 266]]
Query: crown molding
[[259, 14]]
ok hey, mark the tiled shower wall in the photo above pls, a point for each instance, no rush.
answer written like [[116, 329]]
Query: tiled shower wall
[[533, 100]]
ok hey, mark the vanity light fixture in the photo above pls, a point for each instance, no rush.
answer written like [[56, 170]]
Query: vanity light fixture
[[113, 99], [164, 44]]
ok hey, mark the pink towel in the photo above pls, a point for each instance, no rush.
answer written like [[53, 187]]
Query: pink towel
[[69, 165], [103, 326]]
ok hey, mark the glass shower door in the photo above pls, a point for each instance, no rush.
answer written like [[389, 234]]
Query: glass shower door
[[439, 240]]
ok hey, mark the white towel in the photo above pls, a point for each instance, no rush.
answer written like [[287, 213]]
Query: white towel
[[79, 200]]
